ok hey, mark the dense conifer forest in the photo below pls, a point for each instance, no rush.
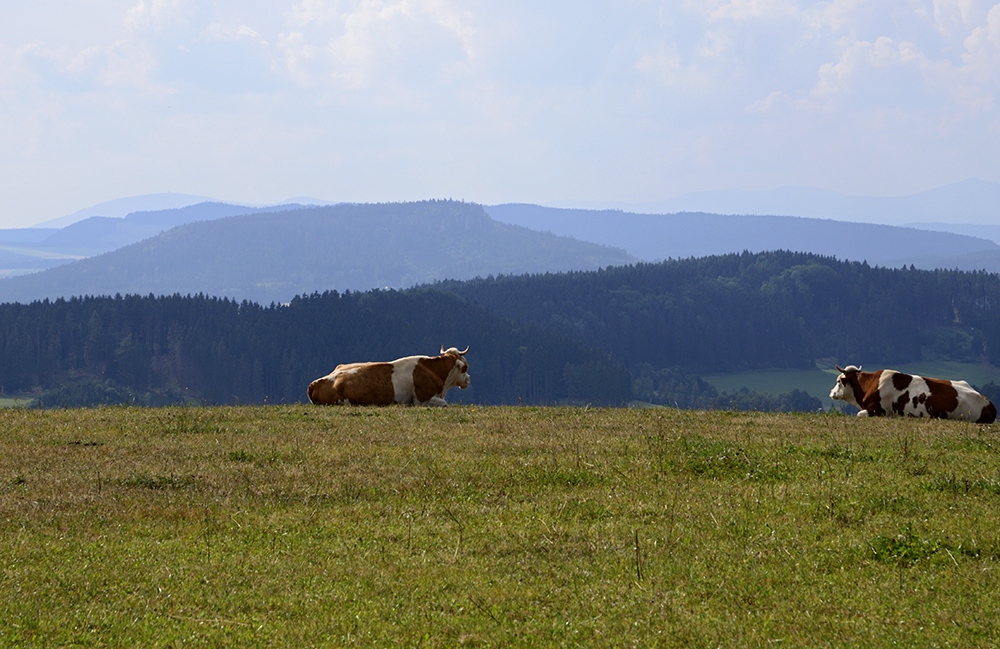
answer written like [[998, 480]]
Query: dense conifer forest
[[155, 350], [644, 331], [757, 311]]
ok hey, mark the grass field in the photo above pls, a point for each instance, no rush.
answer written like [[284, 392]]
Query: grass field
[[467, 526], [819, 382]]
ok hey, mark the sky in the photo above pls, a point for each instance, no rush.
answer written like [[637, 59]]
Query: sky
[[259, 101]]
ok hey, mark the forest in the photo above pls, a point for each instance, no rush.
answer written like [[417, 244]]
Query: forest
[[638, 332], [156, 350], [758, 310]]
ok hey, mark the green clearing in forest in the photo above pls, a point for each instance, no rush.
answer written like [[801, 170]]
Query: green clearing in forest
[[818, 382]]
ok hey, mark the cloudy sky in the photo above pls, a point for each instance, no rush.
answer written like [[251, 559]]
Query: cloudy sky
[[522, 100]]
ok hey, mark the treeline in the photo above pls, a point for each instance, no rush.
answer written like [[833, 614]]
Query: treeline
[[756, 311], [153, 350], [641, 332]]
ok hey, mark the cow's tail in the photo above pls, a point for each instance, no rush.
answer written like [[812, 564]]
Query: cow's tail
[[309, 392]]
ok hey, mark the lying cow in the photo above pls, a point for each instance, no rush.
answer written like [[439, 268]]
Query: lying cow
[[414, 380], [888, 392]]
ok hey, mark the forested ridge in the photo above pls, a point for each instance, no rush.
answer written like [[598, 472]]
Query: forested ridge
[[604, 337], [756, 311], [155, 350]]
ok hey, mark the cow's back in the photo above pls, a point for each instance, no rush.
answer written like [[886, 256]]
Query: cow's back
[[361, 384]]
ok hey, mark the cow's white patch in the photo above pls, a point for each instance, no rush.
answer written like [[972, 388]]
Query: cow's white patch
[[890, 398], [402, 379]]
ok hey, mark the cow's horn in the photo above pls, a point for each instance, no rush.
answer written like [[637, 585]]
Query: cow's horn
[[839, 369], [464, 352]]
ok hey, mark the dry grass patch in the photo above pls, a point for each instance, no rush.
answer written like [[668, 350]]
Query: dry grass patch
[[306, 526]]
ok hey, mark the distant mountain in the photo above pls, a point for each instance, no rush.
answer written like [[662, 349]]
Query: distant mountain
[[306, 200], [661, 236], [29, 250], [272, 255], [99, 234], [123, 206], [991, 232], [970, 201]]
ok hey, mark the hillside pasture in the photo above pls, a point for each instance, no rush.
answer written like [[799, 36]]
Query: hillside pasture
[[495, 526]]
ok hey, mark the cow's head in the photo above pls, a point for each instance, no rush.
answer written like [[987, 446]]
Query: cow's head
[[459, 375], [847, 382]]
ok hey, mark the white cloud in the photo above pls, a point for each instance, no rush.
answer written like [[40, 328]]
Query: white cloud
[[128, 63], [834, 16], [219, 32], [741, 10], [313, 12], [355, 43], [715, 45], [954, 16], [983, 44], [862, 57], [152, 14], [770, 102], [297, 57], [522, 100]]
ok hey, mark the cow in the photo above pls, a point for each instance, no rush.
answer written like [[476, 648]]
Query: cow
[[413, 380], [888, 392]]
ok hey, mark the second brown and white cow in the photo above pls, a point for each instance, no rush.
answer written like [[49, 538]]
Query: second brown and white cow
[[888, 392], [413, 380]]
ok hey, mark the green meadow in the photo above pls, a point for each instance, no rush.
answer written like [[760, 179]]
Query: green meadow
[[495, 526]]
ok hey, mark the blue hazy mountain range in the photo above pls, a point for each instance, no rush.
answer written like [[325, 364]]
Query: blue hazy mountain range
[[272, 253], [693, 234], [275, 253], [969, 202], [27, 250]]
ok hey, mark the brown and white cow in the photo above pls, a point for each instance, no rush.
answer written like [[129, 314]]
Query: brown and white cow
[[414, 380], [888, 392]]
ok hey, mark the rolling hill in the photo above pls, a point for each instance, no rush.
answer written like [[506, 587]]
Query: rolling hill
[[28, 250], [971, 201], [273, 253], [653, 237], [268, 255]]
